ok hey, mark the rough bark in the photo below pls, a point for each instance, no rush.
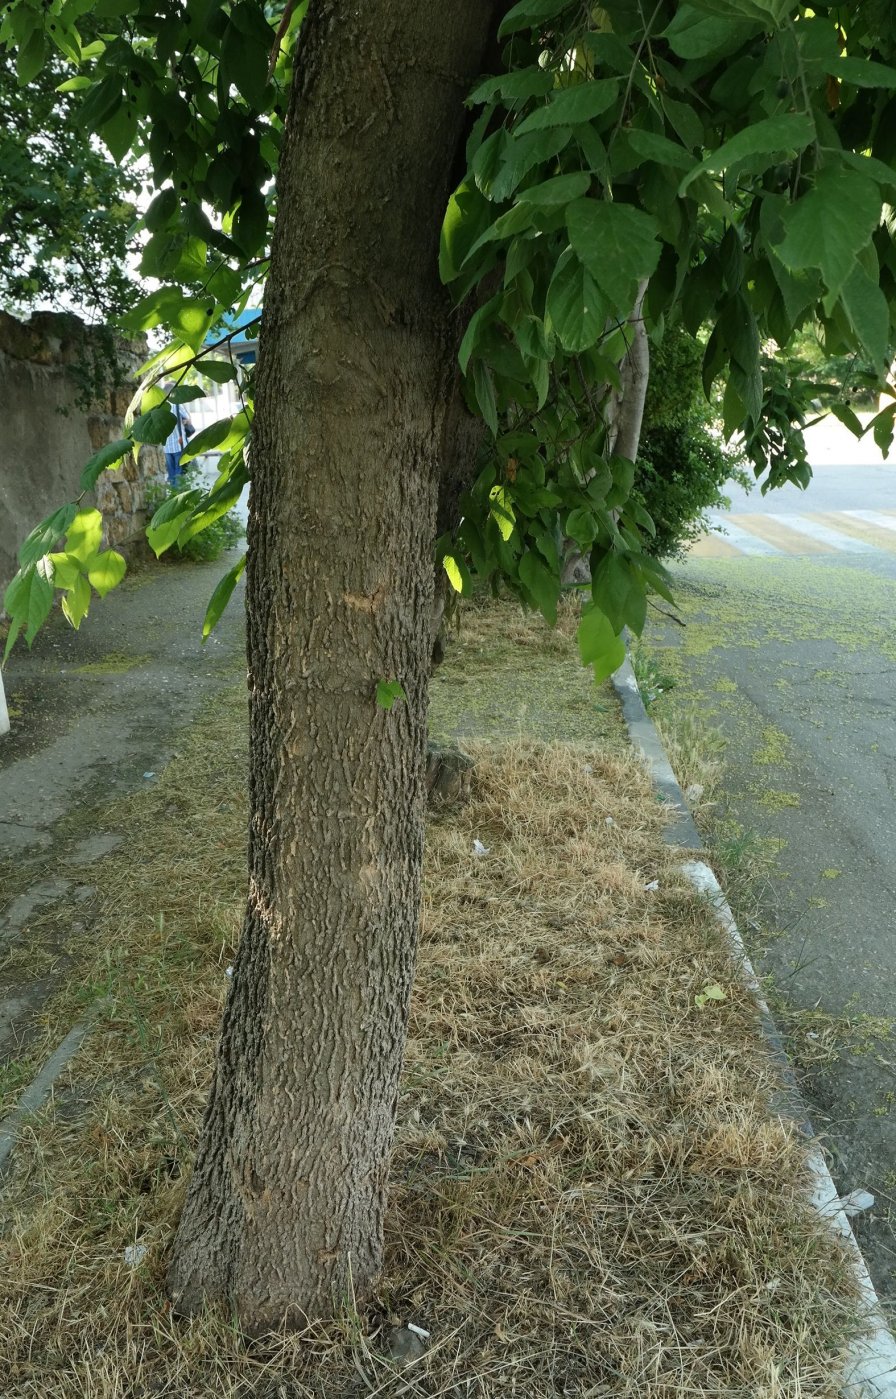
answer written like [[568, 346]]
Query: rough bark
[[285, 1208]]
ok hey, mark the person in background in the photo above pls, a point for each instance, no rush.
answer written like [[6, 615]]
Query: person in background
[[177, 440]]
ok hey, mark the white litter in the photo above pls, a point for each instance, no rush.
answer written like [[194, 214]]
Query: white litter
[[418, 1331], [134, 1255], [586, 767], [608, 821], [479, 849], [694, 792], [856, 1202], [653, 885], [148, 775], [229, 973]]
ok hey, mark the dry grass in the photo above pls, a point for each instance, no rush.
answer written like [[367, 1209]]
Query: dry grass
[[590, 1196]]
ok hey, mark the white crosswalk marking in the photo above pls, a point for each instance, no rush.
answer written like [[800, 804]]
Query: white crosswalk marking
[[813, 529], [746, 543], [873, 517], [765, 535]]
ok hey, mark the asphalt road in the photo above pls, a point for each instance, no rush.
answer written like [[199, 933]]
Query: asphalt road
[[790, 653]]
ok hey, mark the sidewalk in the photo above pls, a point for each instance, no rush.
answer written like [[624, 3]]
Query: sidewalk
[[94, 715]]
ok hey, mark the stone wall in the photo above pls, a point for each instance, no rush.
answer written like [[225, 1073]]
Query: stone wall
[[53, 416]]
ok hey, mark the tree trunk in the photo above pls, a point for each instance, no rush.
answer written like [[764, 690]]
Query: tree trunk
[[624, 420], [627, 415], [284, 1213]]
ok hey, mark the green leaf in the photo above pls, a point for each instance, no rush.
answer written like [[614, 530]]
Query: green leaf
[[220, 597], [223, 497], [844, 414], [186, 393], [612, 586], [575, 309], [478, 320], [882, 429], [170, 518], [161, 210], [155, 426], [66, 570], [458, 573], [868, 313], [617, 244], [522, 153], [866, 164], [502, 511], [862, 72], [581, 527], [695, 35], [830, 225], [712, 991], [218, 370], [560, 189], [192, 319], [101, 461], [42, 538], [529, 13], [541, 585], [31, 56], [153, 310], [484, 390], [599, 646], [101, 103], [468, 215], [106, 571], [572, 105], [84, 535], [387, 692], [209, 438], [120, 131], [653, 146], [77, 601], [27, 600], [770, 138], [250, 227], [524, 82]]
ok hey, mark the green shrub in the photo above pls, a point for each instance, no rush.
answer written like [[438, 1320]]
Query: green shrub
[[225, 533], [683, 464]]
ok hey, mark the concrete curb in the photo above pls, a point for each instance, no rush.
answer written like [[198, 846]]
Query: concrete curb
[[870, 1371], [682, 830]]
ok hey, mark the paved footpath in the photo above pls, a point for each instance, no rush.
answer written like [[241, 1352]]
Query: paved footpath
[[790, 650], [94, 715]]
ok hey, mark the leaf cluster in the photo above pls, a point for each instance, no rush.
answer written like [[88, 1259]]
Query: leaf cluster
[[736, 156], [726, 166]]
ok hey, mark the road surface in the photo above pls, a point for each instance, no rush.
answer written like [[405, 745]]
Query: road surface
[[790, 652]]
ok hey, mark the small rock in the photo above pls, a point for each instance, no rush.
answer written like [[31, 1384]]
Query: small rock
[[405, 1346], [694, 792], [608, 821], [134, 1255], [449, 774], [148, 775]]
